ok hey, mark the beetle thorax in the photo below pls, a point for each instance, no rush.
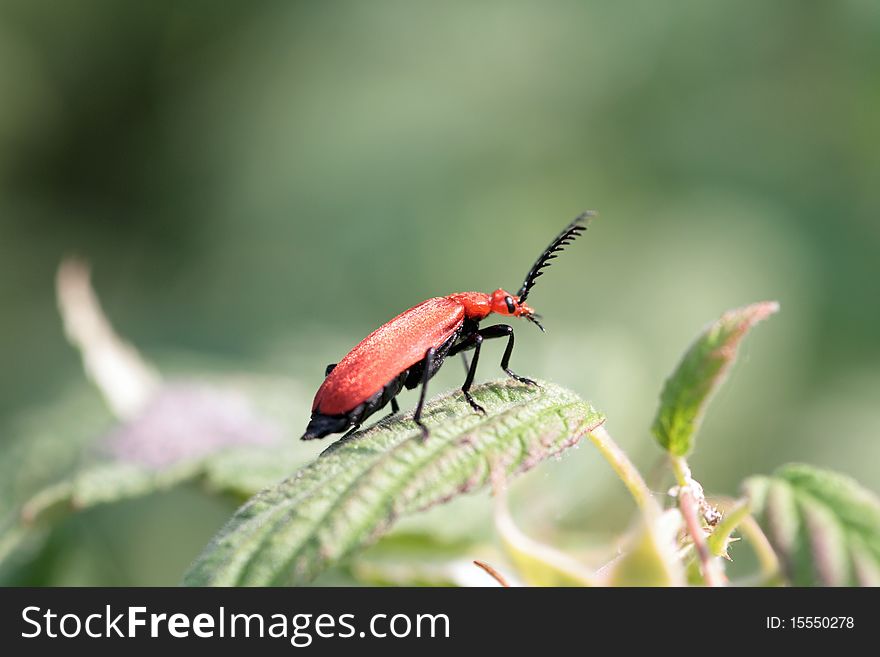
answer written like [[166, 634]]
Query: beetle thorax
[[477, 305]]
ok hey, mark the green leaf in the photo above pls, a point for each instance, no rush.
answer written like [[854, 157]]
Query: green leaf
[[44, 445], [240, 471], [824, 526], [700, 372], [354, 492], [651, 556]]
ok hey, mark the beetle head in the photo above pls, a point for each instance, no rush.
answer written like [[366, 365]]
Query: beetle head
[[505, 303]]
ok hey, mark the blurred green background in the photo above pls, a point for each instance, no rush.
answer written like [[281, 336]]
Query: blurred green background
[[259, 185]]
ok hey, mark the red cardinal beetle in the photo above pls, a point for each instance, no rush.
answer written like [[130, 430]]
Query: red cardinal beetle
[[408, 350]]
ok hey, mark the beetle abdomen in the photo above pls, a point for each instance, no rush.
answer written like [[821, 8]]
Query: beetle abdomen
[[321, 425], [385, 354]]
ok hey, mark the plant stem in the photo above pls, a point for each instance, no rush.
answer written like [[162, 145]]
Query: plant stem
[[688, 505], [494, 574], [681, 470], [649, 507], [690, 500], [763, 550], [524, 551], [625, 469]]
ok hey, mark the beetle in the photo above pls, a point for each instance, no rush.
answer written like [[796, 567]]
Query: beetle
[[408, 350]]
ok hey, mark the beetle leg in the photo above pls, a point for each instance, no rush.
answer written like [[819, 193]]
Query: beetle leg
[[329, 369], [477, 341], [467, 365], [395, 408], [426, 374], [471, 341], [351, 431], [500, 331]]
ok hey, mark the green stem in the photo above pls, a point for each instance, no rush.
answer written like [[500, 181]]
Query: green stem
[[625, 469], [681, 470], [712, 574], [767, 558], [690, 502]]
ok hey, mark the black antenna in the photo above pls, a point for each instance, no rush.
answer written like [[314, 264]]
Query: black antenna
[[564, 238]]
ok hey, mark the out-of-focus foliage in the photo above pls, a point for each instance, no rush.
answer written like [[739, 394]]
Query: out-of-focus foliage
[[260, 186], [650, 558], [814, 527], [824, 526], [536, 563]]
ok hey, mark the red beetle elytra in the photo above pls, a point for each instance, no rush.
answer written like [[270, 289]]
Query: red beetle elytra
[[410, 349]]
